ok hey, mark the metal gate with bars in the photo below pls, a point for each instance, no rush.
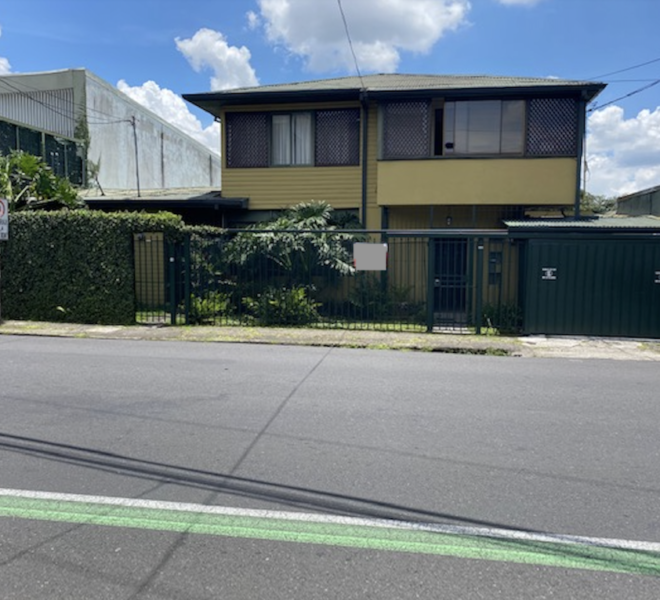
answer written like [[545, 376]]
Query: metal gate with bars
[[434, 280]]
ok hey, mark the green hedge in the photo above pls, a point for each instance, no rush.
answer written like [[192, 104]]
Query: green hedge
[[75, 266]]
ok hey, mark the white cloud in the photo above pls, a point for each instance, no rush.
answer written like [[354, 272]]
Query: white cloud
[[519, 2], [208, 49], [380, 29], [171, 107], [623, 154], [5, 67], [253, 20]]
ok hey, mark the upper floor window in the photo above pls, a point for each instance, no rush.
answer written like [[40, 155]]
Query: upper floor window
[[322, 138], [484, 127], [291, 139], [417, 129]]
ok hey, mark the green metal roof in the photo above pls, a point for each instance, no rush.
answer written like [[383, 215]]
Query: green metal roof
[[603, 223], [391, 84]]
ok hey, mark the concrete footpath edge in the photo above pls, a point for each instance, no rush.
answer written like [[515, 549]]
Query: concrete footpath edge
[[524, 346]]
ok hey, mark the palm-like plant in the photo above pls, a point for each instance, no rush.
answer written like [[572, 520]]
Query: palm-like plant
[[300, 242], [28, 182]]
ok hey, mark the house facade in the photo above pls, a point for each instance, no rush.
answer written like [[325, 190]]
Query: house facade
[[405, 151]]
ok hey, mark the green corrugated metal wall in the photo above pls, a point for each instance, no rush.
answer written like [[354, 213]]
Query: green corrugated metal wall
[[602, 287]]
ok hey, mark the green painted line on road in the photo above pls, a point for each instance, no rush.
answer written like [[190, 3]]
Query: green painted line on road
[[557, 554]]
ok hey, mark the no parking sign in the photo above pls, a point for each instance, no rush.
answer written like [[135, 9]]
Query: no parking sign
[[4, 219]]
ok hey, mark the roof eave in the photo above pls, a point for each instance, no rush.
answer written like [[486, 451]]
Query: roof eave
[[214, 102]]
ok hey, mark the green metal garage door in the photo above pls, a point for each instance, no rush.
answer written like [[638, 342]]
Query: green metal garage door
[[607, 287]]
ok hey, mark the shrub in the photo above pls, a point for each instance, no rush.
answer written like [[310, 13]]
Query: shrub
[[208, 308], [372, 299], [283, 306], [507, 318]]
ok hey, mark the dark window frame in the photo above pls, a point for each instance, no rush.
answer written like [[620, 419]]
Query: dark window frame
[[353, 152], [562, 112]]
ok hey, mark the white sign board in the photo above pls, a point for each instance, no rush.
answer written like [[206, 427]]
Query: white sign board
[[4, 219], [549, 273], [370, 257]]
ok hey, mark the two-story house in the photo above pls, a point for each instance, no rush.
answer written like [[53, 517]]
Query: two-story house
[[405, 151]]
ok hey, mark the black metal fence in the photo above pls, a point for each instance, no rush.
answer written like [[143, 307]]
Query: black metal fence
[[445, 280]]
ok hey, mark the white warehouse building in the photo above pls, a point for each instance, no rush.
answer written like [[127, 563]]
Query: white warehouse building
[[75, 120]]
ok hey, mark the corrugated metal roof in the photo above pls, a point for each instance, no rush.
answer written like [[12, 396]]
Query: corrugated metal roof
[[647, 222], [401, 82], [391, 85]]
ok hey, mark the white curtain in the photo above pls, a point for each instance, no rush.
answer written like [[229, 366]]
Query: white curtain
[[302, 138], [281, 140]]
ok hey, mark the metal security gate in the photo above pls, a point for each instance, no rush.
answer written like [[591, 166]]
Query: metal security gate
[[432, 280], [602, 287], [450, 299]]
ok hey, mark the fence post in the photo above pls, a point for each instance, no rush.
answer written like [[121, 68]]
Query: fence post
[[478, 307], [172, 279], [186, 280], [430, 286]]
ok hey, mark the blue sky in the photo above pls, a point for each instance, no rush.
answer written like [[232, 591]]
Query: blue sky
[[156, 50]]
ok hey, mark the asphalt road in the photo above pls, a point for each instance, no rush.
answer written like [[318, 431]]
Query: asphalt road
[[112, 452]]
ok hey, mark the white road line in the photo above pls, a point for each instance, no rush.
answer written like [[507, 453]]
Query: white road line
[[508, 534]]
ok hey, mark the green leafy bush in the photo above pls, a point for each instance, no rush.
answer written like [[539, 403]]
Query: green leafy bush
[[210, 307], [507, 318], [373, 299], [75, 266], [282, 306]]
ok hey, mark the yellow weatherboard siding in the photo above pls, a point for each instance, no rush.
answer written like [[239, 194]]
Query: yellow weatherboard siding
[[278, 187], [372, 220], [477, 181]]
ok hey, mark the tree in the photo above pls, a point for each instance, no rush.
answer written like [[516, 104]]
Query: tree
[[596, 204], [27, 182]]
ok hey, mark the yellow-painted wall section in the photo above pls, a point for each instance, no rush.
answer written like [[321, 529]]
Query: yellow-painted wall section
[[373, 216], [277, 188], [477, 181]]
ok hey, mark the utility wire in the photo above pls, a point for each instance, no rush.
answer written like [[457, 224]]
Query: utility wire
[[350, 42], [22, 92], [649, 62], [80, 105], [634, 92]]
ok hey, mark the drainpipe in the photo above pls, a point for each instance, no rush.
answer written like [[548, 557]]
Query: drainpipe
[[582, 131], [365, 132]]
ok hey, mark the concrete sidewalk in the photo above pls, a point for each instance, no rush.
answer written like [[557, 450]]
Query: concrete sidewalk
[[526, 346]]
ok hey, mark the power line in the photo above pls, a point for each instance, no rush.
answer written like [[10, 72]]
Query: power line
[[350, 42], [649, 62], [637, 91], [79, 104], [114, 118]]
